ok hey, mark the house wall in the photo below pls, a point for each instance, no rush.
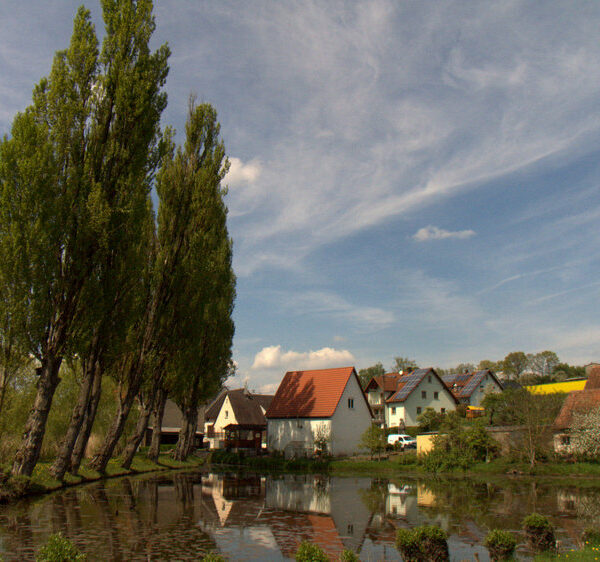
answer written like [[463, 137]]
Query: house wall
[[225, 417], [349, 423], [487, 386], [407, 410], [300, 432]]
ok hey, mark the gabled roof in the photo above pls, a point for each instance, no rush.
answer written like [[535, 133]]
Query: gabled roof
[[387, 382], [408, 383], [578, 401], [311, 394], [463, 385], [246, 406]]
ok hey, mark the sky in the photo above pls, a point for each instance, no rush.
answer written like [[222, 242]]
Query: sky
[[407, 178]]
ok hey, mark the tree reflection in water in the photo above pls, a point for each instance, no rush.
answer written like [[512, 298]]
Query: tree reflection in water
[[183, 515]]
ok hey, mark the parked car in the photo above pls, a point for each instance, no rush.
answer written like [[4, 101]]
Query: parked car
[[402, 441]]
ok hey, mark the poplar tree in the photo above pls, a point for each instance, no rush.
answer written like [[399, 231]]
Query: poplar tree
[[73, 172]]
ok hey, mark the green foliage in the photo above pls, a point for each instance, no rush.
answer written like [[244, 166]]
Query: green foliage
[[430, 420], [591, 537], [309, 552], [322, 438], [539, 532], [424, 543], [501, 544], [365, 375], [212, 557], [515, 363], [59, 549], [403, 364], [349, 556], [374, 440], [459, 445]]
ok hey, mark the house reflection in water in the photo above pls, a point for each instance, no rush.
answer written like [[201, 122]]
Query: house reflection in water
[[276, 516]]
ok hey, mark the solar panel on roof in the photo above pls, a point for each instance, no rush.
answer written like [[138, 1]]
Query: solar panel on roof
[[410, 383], [475, 380]]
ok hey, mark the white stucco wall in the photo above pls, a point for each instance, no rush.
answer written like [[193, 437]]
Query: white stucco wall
[[281, 432], [225, 417], [487, 386], [345, 427], [348, 424], [407, 410]]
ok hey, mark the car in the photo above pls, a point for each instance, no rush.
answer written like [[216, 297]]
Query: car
[[402, 441]]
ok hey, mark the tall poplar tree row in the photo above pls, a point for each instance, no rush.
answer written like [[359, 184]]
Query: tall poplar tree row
[[72, 173]]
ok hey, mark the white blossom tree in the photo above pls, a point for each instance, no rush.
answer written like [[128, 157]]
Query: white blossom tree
[[585, 433]]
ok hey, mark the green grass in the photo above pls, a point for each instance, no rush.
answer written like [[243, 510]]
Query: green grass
[[42, 481], [588, 553]]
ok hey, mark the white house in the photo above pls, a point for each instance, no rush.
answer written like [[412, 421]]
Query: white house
[[326, 403], [471, 388], [378, 390], [415, 391], [237, 410]]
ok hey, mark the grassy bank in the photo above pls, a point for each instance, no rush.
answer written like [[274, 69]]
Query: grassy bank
[[42, 481]]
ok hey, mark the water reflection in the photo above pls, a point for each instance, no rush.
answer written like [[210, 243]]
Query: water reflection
[[252, 517]]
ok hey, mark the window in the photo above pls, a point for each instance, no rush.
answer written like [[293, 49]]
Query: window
[[418, 410], [299, 423], [436, 395], [350, 529], [226, 414], [423, 394], [393, 411], [351, 403], [443, 410], [429, 379]]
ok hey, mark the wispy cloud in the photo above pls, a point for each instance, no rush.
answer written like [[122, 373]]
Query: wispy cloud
[[434, 233]]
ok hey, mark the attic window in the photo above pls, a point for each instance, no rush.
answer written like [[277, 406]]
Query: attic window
[[351, 403], [429, 379], [299, 423], [418, 410], [226, 414], [436, 395]]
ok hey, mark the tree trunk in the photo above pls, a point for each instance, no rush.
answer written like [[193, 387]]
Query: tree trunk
[[31, 445], [63, 460], [187, 433], [88, 421], [159, 412], [138, 434]]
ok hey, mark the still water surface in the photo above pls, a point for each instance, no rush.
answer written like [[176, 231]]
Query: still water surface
[[180, 516]]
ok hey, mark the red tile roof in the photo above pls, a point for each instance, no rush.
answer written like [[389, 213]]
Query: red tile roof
[[387, 382], [310, 394], [580, 401]]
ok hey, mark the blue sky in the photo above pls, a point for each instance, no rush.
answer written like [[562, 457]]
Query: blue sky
[[408, 178]]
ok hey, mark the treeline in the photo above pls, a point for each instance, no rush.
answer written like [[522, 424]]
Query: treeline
[[527, 368], [96, 284]]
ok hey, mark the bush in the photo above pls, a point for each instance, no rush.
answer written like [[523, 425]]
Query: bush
[[539, 532], [59, 549], [212, 557], [501, 544], [590, 537], [308, 552], [348, 556], [426, 543]]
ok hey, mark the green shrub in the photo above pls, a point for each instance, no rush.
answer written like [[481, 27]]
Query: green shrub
[[501, 544], [539, 532], [309, 552], [59, 549], [590, 537], [408, 545], [426, 543], [349, 556]]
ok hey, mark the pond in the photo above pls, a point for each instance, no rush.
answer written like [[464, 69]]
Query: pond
[[179, 516]]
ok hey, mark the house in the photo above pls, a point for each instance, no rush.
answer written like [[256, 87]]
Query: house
[[378, 390], [578, 401], [471, 388], [415, 391], [171, 425], [326, 404], [237, 419]]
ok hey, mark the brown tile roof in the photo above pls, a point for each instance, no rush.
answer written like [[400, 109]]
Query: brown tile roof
[[593, 378], [246, 406], [310, 394], [386, 382], [580, 401]]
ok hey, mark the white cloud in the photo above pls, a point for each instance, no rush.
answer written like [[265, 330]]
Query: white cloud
[[273, 357], [434, 233], [240, 173]]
